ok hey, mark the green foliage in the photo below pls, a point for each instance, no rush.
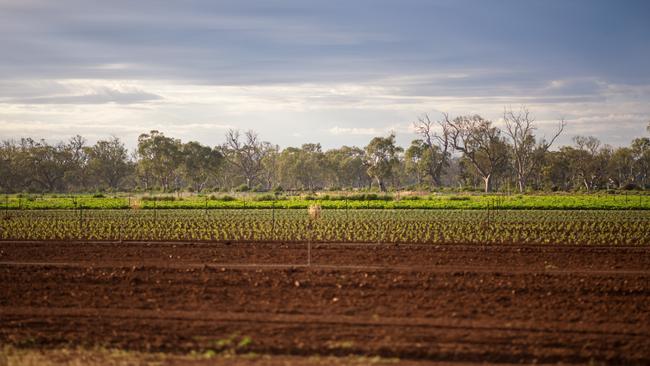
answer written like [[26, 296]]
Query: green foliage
[[161, 198], [242, 188], [355, 201]]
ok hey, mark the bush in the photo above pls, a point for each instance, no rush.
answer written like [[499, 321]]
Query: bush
[[160, 198], [242, 188], [411, 198], [225, 198], [264, 197], [630, 187], [98, 195]]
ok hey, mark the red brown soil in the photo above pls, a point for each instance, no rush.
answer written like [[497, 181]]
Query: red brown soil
[[414, 302]]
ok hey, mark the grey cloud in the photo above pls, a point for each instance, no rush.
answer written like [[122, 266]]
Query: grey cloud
[[99, 95]]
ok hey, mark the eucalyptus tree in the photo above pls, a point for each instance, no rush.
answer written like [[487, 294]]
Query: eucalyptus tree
[[588, 162], [641, 153], [45, 165], [159, 160], [108, 162], [200, 164], [382, 156], [347, 167], [526, 153], [12, 174], [429, 155], [245, 155], [480, 143]]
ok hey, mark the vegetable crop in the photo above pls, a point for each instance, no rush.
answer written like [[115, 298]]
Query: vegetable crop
[[594, 227]]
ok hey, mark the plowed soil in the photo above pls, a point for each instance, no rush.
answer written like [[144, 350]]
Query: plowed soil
[[508, 304]]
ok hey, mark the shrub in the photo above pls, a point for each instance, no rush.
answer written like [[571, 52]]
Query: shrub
[[411, 198], [222, 198], [160, 198], [264, 197], [242, 188]]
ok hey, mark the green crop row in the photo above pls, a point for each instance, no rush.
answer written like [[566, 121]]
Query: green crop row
[[364, 226], [480, 202], [577, 202]]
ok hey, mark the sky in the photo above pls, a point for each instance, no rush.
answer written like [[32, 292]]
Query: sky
[[337, 72]]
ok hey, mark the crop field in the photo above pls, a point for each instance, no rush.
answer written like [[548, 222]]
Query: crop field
[[344, 287], [354, 226]]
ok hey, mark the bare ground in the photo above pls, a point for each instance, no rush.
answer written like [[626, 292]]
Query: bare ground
[[415, 303]]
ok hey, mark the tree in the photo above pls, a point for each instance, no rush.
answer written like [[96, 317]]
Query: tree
[[588, 162], [12, 174], [347, 167], [76, 175], [381, 158], [641, 154], [621, 167], [160, 157], [432, 151], [108, 162], [270, 166], [480, 143], [46, 165], [245, 156], [526, 152], [414, 160], [200, 164]]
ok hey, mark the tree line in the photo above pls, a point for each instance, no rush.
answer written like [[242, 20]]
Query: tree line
[[465, 152]]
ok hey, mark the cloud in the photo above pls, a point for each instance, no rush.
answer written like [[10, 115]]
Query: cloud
[[333, 71], [72, 92], [101, 96], [336, 130]]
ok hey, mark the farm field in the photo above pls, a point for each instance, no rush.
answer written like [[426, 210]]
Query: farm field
[[259, 303], [282, 287]]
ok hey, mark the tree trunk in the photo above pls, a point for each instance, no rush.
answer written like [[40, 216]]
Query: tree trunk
[[488, 183], [382, 186], [522, 184]]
